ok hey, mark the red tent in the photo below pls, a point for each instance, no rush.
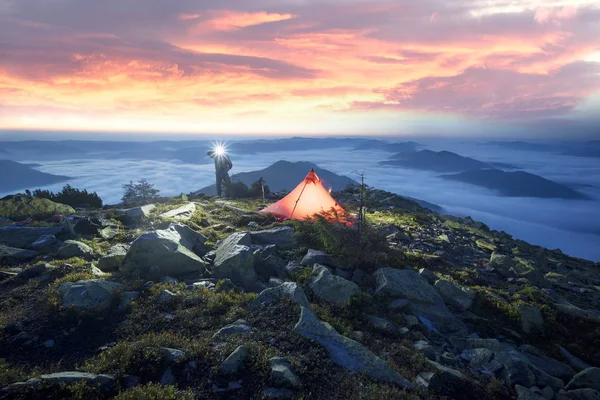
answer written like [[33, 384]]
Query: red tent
[[307, 199]]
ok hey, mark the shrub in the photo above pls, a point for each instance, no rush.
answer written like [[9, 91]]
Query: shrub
[[236, 190], [256, 190], [154, 391], [142, 192], [71, 196]]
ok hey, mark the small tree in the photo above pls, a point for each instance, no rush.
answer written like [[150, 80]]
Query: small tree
[[71, 196], [140, 193]]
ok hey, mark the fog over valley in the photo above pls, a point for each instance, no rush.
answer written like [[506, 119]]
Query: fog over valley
[[573, 225]]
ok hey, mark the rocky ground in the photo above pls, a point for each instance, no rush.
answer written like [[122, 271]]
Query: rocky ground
[[205, 298]]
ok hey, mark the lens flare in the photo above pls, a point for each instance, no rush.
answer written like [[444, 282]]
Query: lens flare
[[219, 150]]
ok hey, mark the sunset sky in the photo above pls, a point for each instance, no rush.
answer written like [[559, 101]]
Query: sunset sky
[[445, 67]]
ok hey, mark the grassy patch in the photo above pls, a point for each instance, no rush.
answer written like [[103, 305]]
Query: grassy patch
[[485, 245], [154, 391]]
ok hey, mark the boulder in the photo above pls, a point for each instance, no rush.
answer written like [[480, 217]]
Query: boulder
[[163, 252], [428, 275], [444, 380], [79, 225], [19, 208], [579, 394], [588, 378], [235, 261], [282, 374], [455, 295], [267, 263], [241, 326], [551, 366], [533, 393], [24, 236], [289, 290], [406, 284], [113, 259], [531, 318], [14, 255], [102, 381], [234, 362], [73, 248], [313, 257], [382, 324], [282, 237], [88, 294], [135, 215], [573, 361], [46, 244], [331, 288], [346, 352], [183, 213], [502, 263], [398, 304], [33, 272]]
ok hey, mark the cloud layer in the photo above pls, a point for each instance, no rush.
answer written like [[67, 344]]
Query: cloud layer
[[297, 66]]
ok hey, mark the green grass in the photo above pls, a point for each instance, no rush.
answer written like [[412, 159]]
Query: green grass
[[485, 245], [154, 391]]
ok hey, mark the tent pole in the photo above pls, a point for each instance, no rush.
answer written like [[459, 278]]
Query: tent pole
[[295, 205]]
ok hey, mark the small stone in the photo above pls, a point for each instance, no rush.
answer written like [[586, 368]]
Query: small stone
[[241, 326], [168, 378], [166, 296], [277, 393], [49, 343], [398, 304], [282, 375], [234, 362]]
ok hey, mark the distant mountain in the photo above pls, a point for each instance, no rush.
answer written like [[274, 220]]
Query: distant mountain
[[401, 147], [292, 144], [442, 161], [516, 184], [576, 149], [16, 176], [285, 175], [524, 146]]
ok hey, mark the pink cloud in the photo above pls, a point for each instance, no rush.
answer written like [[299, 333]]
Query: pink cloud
[[555, 15]]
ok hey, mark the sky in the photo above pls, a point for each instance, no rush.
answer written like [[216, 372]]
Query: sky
[[515, 68]]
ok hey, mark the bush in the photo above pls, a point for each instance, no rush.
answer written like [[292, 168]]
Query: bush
[[71, 196], [256, 190], [140, 193], [236, 190]]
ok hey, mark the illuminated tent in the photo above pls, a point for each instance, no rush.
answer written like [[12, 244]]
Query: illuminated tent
[[307, 199]]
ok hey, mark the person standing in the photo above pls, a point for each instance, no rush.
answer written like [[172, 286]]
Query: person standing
[[223, 165]]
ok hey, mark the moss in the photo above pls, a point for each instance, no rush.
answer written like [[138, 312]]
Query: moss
[[485, 245], [9, 373], [19, 208], [301, 275], [154, 391], [99, 245]]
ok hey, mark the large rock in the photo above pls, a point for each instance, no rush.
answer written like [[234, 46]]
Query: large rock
[[14, 255], [241, 326], [24, 236], [113, 259], [282, 237], [346, 352], [313, 257], [267, 263], [282, 374], [289, 290], [235, 362], [551, 366], [406, 284], [182, 213], [79, 225], [135, 215], [579, 394], [531, 318], [502, 263], [458, 296], [331, 288], [88, 294], [101, 381], [588, 378], [73, 248], [444, 380], [167, 252], [46, 244], [573, 361], [235, 260], [19, 208]]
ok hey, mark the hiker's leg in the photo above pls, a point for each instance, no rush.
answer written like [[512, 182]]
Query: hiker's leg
[[219, 184]]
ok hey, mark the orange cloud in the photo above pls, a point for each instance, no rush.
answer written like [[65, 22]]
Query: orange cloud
[[231, 20]]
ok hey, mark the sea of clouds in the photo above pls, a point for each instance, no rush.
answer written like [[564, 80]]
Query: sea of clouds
[[571, 225]]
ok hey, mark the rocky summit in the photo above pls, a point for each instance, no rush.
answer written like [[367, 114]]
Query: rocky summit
[[202, 298]]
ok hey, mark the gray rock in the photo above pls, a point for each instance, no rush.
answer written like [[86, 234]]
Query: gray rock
[[282, 237], [241, 326], [73, 248], [113, 259], [282, 374], [267, 263], [406, 284], [127, 298], [398, 304], [428, 275], [166, 296], [382, 325], [135, 215], [109, 232], [278, 393], [234, 362], [458, 296], [46, 244], [442, 379], [331, 288], [163, 252], [531, 318], [573, 361], [548, 393], [88, 294], [574, 311], [346, 352], [34, 272], [588, 378], [12, 254], [168, 378], [551, 366], [235, 261], [524, 393], [173, 355], [49, 343], [358, 276], [183, 213], [579, 394], [79, 225], [101, 381], [24, 236], [428, 350], [516, 369], [289, 290], [313, 257]]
